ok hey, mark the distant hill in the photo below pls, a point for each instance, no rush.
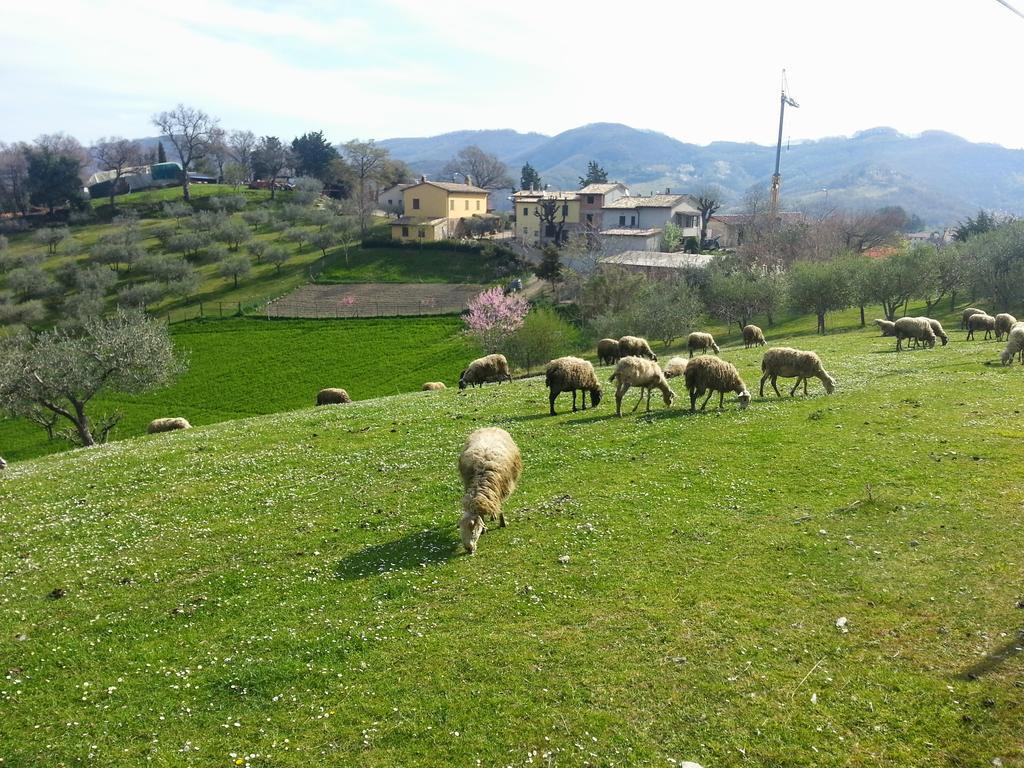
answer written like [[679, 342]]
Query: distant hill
[[939, 176]]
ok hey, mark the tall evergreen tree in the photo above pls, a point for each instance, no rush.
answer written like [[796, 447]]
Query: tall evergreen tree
[[530, 179], [595, 175], [313, 155], [161, 153]]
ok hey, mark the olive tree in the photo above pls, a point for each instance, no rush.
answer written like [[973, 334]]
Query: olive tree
[[819, 287], [61, 371]]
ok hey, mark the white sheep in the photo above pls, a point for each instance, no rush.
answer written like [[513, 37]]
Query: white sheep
[[485, 369], [938, 330], [966, 315], [1014, 345], [700, 340], [979, 322], [637, 347], [753, 336], [711, 374], [490, 465], [3, 464], [332, 396], [167, 425], [1004, 322], [917, 328], [675, 367], [887, 327], [635, 371], [608, 351], [433, 386], [787, 363], [568, 374]]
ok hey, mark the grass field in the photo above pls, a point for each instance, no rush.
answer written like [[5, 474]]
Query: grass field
[[288, 590], [401, 265], [245, 367]]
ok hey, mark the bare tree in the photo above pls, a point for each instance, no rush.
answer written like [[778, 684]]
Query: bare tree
[[189, 130], [13, 178], [484, 170], [552, 212], [219, 153], [241, 145], [116, 154], [368, 162], [709, 200], [271, 156]]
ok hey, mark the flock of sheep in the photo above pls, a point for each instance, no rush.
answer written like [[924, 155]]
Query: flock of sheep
[[925, 330]]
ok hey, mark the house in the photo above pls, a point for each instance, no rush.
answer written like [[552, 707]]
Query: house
[[656, 264], [652, 211], [435, 210], [626, 239], [594, 197], [727, 229], [529, 204], [390, 199]]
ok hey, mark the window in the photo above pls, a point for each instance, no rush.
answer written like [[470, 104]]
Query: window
[[590, 218], [526, 211], [622, 221], [405, 231], [467, 204], [415, 203], [478, 205], [422, 232], [590, 199], [632, 221], [451, 205]]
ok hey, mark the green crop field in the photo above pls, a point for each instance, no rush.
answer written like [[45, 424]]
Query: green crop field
[[245, 366], [403, 265], [288, 590]]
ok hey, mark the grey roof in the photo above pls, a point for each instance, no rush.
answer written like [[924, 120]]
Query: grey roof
[[652, 201], [416, 221], [628, 232], [601, 189], [451, 186], [553, 194], [658, 259]]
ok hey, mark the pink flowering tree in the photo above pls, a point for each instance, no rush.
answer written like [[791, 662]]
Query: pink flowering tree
[[493, 317]]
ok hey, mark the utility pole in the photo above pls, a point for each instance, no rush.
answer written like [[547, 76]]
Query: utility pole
[[777, 177]]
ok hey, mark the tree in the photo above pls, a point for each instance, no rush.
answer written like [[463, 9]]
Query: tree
[[481, 169], [983, 222], [60, 371], [234, 232], [595, 175], [116, 154], [709, 201], [542, 336], [529, 178], [13, 178], [668, 310], [161, 153], [493, 316], [51, 237], [550, 267], [219, 151], [671, 238], [552, 212], [235, 266], [54, 171], [190, 131], [894, 280], [820, 287], [367, 161], [241, 145], [268, 160], [313, 155], [276, 255]]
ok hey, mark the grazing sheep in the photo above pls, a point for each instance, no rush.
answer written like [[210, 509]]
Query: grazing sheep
[[753, 337], [434, 386], [937, 330], [608, 351], [710, 374], [1004, 322], [490, 465], [332, 396], [637, 347], [787, 363], [917, 328], [700, 340], [1014, 345], [167, 425], [675, 367], [635, 371], [3, 464], [565, 374], [887, 327], [484, 369], [979, 322], [967, 313]]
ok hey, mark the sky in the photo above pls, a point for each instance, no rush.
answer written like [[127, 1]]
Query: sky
[[697, 71]]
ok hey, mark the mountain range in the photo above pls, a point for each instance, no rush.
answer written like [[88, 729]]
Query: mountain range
[[938, 176]]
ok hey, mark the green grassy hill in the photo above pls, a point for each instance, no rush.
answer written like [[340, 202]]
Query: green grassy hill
[[288, 590]]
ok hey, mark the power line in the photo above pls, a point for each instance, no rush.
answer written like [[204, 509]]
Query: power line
[[1010, 7]]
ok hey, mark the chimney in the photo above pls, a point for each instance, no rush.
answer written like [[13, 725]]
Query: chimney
[[668, 191], [469, 180], [423, 178]]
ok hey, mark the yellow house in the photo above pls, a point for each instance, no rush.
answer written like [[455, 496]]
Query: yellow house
[[434, 209], [534, 223]]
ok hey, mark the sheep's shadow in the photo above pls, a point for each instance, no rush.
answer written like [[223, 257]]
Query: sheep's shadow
[[414, 550], [528, 417], [995, 658]]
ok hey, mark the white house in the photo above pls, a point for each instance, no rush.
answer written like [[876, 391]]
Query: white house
[[652, 212], [390, 199]]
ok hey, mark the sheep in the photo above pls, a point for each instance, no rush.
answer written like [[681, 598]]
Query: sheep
[[434, 386], [490, 465], [3, 464], [918, 328], [1014, 345], [787, 363], [938, 331], [635, 371], [608, 351], [637, 347], [753, 337], [675, 367], [566, 374], [711, 374], [484, 369], [1004, 322], [887, 327], [967, 313], [332, 396], [980, 321], [167, 425], [699, 340]]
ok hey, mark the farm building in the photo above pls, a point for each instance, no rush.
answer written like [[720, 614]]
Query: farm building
[[656, 264]]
